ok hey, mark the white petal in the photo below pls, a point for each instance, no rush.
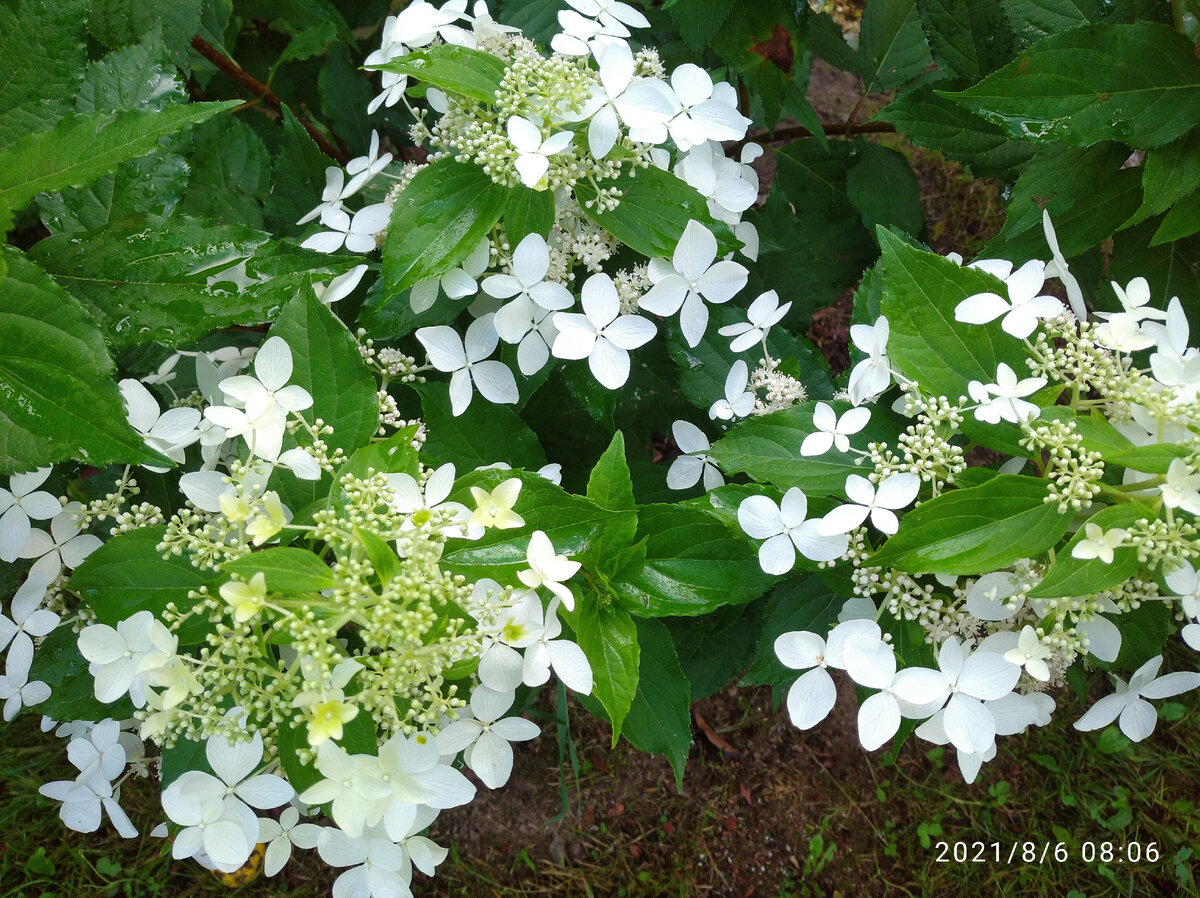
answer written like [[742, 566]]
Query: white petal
[[777, 555], [969, 724], [443, 346], [609, 365], [1138, 719], [273, 363], [811, 698], [492, 758], [571, 665], [878, 720], [495, 382]]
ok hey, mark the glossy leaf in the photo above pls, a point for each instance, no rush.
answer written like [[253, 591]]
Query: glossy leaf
[[609, 485], [659, 718], [528, 212], [1071, 576], [482, 435], [457, 70], [798, 603], [609, 639], [285, 569], [882, 187], [892, 45], [42, 53], [969, 38]]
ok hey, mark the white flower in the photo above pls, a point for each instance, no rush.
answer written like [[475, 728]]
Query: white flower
[[813, 695], [985, 598], [548, 569], [1135, 299], [580, 35], [331, 197], [341, 286], [567, 659], [354, 785], [1137, 716], [1182, 489], [1002, 400], [495, 509], [738, 401], [873, 374], [684, 284], [1099, 543], [501, 666], [99, 754], [532, 328], [119, 658], [465, 362], [1058, 268], [17, 691], [1123, 333], [833, 431], [610, 12], [895, 492], [419, 504], [729, 187], [169, 432], [786, 531], [972, 679], [687, 470], [20, 502], [764, 313], [1030, 653], [457, 283], [375, 863], [530, 263], [1184, 582], [709, 112], [640, 104], [1021, 309], [486, 736], [280, 835], [871, 662], [29, 621], [364, 168], [533, 151], [63, 545], [82, 802], [357, 232], [601, 334]]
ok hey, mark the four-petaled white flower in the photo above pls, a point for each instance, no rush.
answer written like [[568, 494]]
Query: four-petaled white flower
[[1099, 543], [533, 151], [566, 658], [601, 334], [1031, 654], [65, 544], [874, 373], [1182, 488], [833, 431], [708, 111], [29, 621], [495, 509], [376, 863], [457, 283], [871, 662], [419, 503], [1137, 716], [687, 470], [894, 492], [738, 401], [484, 738], [1022, 308], [786, 531], [121, 657], [364, 168], [83, 801], [20, 502], [611, 12], [548, 569], [466, 363], [639, 103], [280, 835], [970, 680], [18, 691], [813, 695], [169, 432], [1002, 400], [764, 313], [530, 263], [358, 232], [691, 278]]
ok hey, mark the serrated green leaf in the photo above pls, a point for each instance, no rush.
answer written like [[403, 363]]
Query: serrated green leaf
[[609, 639], [172, 280], [969, 38], [609, 485], [119, 22], [693, 565], [940, 124], [1078, 87], [1033, 20], [768, 449], [1182, 221], [285, 569], [891, 44], [467, 72], [82, 147], [441, 216], [134, 77], [1154, 459], [229, 174], [1171, 268], [528, 212], [660, 718], [1071, 576], [654, 210], [882, 187], [799, 603], [764, 43], [59, 665], [1144, 632], [57, 397], [699, 20], [714, 648], [482, 435], [42, 56], [982, 528], [1170, 173], [327, 363], [128, 574], [298, 178]]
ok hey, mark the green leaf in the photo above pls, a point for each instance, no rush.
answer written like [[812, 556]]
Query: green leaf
[[1080, 87], [881, 185], [285, 569], [382, 556], [1144, 632], [394, 455], [969, 38], [454, 69], [714, 648], [609, 485], [764, 43], [81, 148], [299, 178], [57, 397], [482, 435], [59, 665], [128, 574], [654, 210], [229, 176], [940, 124], [327, 363], [528, 212], [119, 22], [1033, 20], [979, 529], [1170, 267], [1170, 173], [172, 280], [891, 44], [1153, 459], [798, 603], [134, 77], [42, 55], [441, 216], [573, 523], [1182, 221], [609, 639], [1070, 576], [693, 565], [699, 21], [660, 718], [768, 449]]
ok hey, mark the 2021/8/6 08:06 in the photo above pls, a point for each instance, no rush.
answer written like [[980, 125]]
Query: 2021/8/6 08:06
[[1041, 852]]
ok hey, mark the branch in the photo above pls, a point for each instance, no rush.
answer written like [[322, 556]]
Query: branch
[[249, 83], [798, 132]]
